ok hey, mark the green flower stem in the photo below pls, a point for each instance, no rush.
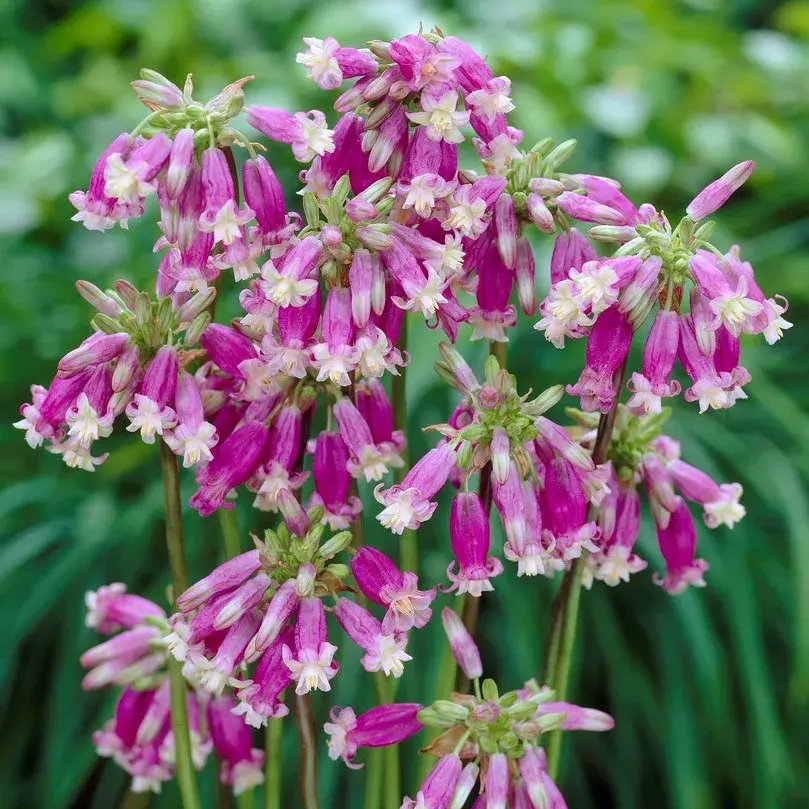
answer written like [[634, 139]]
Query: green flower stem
[[308, 747], [374, 776], [562, 637], [408, 545], [230, 532], [272, 764], [186, 777]]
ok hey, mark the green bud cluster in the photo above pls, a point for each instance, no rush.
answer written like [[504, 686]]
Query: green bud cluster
[[283, 553], [173, 109], [631, 439], [491, 722], [149, 323]]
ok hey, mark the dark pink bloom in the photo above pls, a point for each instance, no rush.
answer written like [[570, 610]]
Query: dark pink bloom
[[242, 764], [678, 543], [469, 535]]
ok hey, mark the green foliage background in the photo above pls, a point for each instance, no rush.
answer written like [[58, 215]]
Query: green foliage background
[[709, 689]]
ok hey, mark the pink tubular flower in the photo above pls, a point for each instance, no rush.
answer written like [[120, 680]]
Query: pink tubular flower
[[259, 696], [97, 349], [439, 786], [235, 460], [265, 196], [381, 726], [619, 520], [382, 582], [215, 672], [440, 117], [586, 209], [333, 482], [111, 608], [127, 179], [96, 210], [540, 788], [293, 282], [336, 357], [469, 535], [328, 65], [576, 717], [715, 195], [150, 413], [278, 474], [193, 437], [227, 576], [677, 545], [311, 665], [408, 504], [242, 764], [123, 659], [221, 216], [376, 409], [384, 650], [368, 459], [720, 503], [659, 355], [497, 782], [306, 132], [708, 388], [607, 348], [464, 649]]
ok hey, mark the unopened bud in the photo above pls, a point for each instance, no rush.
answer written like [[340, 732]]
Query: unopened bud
[[376, 191], [336, 544], [198, 325], [561, 153], [451, 711], [545, 401], [97, 299]]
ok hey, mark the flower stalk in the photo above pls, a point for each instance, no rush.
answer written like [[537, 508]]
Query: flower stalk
[[308, 751], [565, 614], [186, 777], [272, 764]]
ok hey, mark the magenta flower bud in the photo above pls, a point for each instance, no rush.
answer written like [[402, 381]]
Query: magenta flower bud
[[241, 601], [281, 607], [126, 369], [292, 511], [505, 223], [659, 355], [388, 136], [607, 348], [501, 455], [236, 459], [215, 673], [227, 576], [242, 764], [606, 192], [720, 504], [408, 504], [384, 651], [577, 718], [439, 786], [678, 543], [264, 194], [715, 195], [542, 792], [637, 296], [526, 277], [259, 696], [464, 649], [539, 213], [469, 535], [585, 209], [122, 659], [228, 348], [110, 608], [94, 350], [311, 665], [333, 481], [472, 72], [336, 357], [180, 162], [571, 250], [497, 782], [564, 510], [376, 409], [380, 727]]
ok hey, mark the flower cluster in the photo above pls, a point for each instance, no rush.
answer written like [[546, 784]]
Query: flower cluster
[[639, 452], [139, 737], [266, 607], [655, 265], [489, 740]]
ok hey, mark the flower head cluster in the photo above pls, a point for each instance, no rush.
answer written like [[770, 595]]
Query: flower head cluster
[[639, 453], [657, 268], [132, 365], [266, 607], [489, 740], [139, 737]]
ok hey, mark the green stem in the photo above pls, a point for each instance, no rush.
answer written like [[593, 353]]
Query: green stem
[[308, 747], [272, 764], [374, 777], [562, 638], [186, 778], [229, 523], [408, 545]]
